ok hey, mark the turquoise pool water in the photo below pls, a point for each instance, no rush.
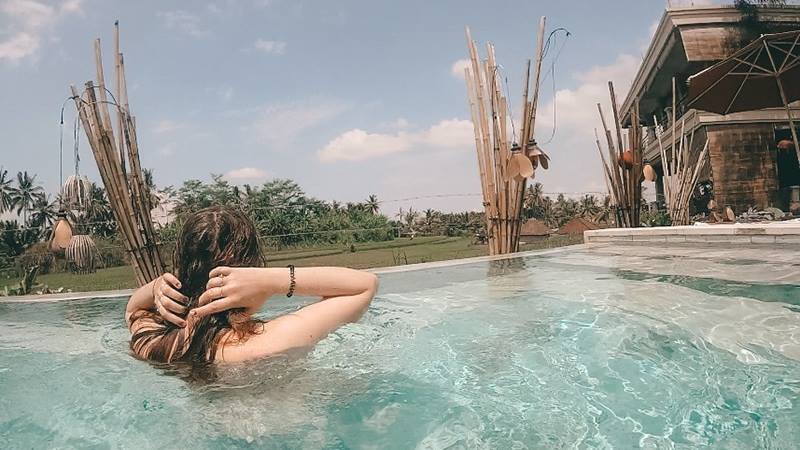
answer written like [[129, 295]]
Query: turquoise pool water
[[587, 348]]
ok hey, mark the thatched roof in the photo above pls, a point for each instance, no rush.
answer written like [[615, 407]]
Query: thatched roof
[[533, 227], [577, 226]]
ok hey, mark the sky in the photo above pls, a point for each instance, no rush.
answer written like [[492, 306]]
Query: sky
[[348, 98]]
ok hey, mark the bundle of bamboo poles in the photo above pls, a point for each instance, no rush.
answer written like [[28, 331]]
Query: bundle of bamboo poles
[[114, 150], [681, 169], [623, 168], [504, 166]]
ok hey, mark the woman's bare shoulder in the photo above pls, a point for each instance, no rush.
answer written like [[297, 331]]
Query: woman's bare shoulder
[[276, 336]]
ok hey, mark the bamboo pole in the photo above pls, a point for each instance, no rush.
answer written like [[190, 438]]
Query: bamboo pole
[[118, 94]]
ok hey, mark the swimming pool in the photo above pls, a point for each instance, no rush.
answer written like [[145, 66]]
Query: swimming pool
[[590, 347]]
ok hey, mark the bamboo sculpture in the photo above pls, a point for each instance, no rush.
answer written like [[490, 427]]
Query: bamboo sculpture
[[504, 166], [623, 168], [681, 170], [127, 192]]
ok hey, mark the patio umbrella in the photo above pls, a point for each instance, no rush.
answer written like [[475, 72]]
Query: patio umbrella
[[763, 74]]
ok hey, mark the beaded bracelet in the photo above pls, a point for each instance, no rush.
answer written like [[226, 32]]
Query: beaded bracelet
[[292, 281]]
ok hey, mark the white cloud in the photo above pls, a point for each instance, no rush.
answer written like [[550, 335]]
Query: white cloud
[[280, 124], [72, 6], [400, 124], [166, 126], [457, 69], [29, 21], [271, 47], [18, 46], [167, 150], [246, 174], [359, 145], [182, 21]]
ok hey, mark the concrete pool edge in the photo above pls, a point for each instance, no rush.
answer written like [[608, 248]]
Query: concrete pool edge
[[125, 293], [782, 233]]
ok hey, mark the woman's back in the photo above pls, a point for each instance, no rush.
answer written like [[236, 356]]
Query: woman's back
[[205, 315]]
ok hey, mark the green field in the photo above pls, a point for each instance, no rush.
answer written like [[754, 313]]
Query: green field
[[400, 251]]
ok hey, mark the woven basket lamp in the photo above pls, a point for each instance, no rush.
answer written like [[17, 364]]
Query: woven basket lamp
[[61, 235], [537, 156], [77, 191], [519, 166], [81, 254]]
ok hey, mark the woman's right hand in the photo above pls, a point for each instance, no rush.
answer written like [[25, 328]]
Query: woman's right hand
[[234, 287], [169, 302]]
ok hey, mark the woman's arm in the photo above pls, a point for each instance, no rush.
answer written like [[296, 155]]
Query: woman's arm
[[345, 295], [151, 297]]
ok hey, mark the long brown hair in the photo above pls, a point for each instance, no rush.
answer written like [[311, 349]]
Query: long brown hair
[[212, 237]]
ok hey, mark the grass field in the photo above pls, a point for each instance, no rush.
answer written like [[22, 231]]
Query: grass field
[[400, 251]]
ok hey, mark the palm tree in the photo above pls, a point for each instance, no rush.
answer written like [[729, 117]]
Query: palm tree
[[410, 216], [44, 212], [373, 205], [5, 191], [24, 195], [98, 214], [534, 200], [587, 206]]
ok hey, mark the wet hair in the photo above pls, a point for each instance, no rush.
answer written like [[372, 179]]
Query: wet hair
[[212, 237]]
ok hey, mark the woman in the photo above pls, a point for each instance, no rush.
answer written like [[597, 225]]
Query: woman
[[204, 314]]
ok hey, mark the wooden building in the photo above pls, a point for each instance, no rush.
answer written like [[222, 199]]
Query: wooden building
[[577, 226], [533, 230], [747, 167]]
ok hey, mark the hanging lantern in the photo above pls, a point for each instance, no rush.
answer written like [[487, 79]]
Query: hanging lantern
[[77, 192], [81, 254], [649, 173], [537, 156], [785, 144], [61, 235], [524, 167], [626, 159]]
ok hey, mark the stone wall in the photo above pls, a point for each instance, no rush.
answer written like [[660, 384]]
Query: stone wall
[[743, 165]]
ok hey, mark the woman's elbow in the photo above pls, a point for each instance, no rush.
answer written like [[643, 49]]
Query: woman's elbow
[[373, 284]]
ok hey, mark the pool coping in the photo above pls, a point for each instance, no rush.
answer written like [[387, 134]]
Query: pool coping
[[125, 293], [782, 233]]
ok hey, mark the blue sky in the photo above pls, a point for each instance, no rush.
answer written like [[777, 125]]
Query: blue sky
[[348, 98]]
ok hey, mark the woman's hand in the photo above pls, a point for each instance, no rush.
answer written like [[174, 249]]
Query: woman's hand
[[234, 287], [169, 303]]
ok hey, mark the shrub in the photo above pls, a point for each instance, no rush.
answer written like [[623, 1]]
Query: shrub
[[37, 255]]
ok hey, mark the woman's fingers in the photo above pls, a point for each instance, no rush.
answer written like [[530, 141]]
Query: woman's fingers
[[172, 294], [221, 271], [210, 295], [215, 282], [213, 307], [173, 306], [168, 316], [172, 280]]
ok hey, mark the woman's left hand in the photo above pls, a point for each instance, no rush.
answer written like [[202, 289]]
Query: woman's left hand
[[234, 287], [168, 301]]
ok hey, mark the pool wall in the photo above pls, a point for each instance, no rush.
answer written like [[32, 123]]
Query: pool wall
[[779, 233]]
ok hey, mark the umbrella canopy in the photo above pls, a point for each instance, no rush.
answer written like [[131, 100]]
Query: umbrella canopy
[[763, 74]]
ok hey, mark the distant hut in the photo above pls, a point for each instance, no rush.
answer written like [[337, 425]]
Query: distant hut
[[533, 230], [577, 226]]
